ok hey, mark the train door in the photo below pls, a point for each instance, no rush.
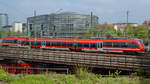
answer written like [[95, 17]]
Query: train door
[[100, 46], [43, 44], [19, 43], [75, 44]]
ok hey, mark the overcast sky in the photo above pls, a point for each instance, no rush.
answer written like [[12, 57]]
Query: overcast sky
[[110, 11]]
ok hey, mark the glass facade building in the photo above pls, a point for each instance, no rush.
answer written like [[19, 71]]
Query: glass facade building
[[62, 25], [3, 20]]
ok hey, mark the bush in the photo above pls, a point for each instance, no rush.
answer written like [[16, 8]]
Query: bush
[[140, 72], [115, 75], [4, 76]]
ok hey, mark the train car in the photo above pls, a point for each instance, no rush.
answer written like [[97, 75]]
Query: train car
[[125, 46], [13, 42], [107, 45], [100, 45]]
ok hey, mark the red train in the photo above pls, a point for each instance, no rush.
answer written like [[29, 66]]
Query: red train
[[100, 45]]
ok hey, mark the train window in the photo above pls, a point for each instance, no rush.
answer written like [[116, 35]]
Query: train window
[[38, 43], [86, 45], [5, 41], [33, 43], [70, 44], [136, 45], [22, 42], [123, 44], [63, 44], [26, 43], [129, 44], [58, 43], [116, 44], [79, 44], [15, 41], [48, 43], [93, 45], [9, 41], [133, 45], [12, 41], [106, 44], [53, 43]]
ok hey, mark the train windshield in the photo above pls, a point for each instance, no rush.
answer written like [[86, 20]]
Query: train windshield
[[141, 42]]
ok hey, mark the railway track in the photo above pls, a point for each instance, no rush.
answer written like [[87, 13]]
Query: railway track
[[113, 61], [101, 53]]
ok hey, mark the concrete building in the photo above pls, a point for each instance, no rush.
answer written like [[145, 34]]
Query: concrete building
[[62, 25], [3, 20], [17, 27]]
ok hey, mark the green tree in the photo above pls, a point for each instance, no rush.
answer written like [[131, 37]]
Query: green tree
[[128, 31], [141, 32], [110, 32], [88, 33], [95, 32], [92, 32], [119, 33]]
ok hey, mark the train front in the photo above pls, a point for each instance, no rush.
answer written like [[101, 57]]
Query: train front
[[142, 48]]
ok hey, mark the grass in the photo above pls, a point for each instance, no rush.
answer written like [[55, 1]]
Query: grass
[[80, 77]]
